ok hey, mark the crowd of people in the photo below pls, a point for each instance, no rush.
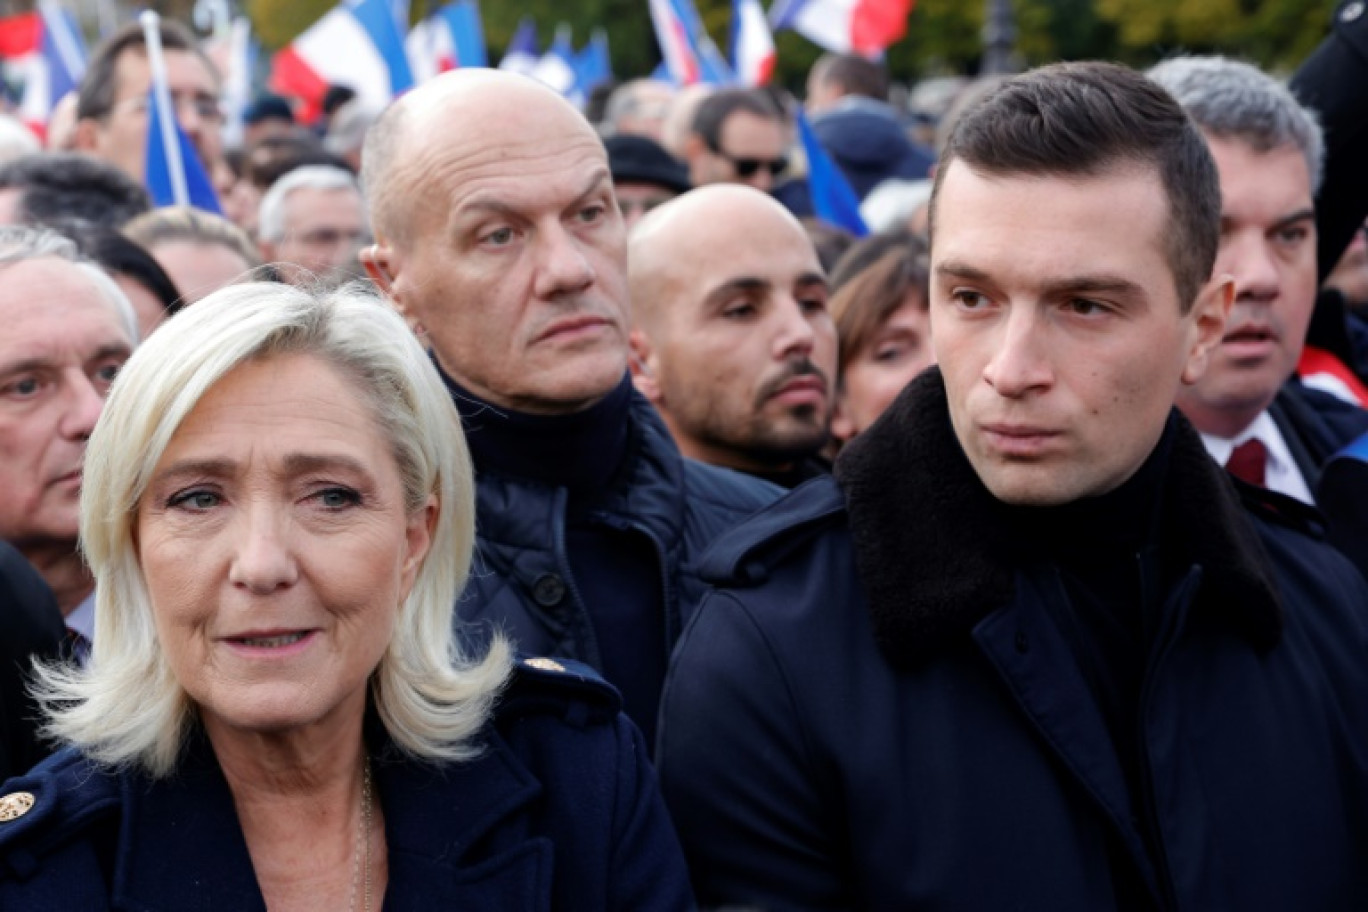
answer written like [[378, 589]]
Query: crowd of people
[[503, 505]]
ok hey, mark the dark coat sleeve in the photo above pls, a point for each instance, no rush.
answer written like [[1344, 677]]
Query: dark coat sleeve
[[30, 627], [738, 772], [1334, 81]]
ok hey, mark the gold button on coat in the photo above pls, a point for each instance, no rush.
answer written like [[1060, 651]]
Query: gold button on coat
[[545, 664], [15, 805]]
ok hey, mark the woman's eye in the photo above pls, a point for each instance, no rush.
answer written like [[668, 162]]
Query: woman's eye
[[195, 500], [338, 498]]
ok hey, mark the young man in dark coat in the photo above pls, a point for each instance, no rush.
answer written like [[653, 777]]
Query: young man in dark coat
[[505, 246], [1029, 649]]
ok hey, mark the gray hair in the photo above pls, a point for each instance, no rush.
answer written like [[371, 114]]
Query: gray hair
[[20, 243], [271, 215], [1231, 99], [126, 706], [628, 100]]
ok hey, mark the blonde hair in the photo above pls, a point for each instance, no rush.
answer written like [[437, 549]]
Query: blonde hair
[[126, 706], [187, 224]]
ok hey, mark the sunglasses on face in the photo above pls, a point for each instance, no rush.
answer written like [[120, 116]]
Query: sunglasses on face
[[746, 167]]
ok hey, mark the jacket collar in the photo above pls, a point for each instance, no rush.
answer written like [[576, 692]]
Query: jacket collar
[[934, 561], [180, 835]]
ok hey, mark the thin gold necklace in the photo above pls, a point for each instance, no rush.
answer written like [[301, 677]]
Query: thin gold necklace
[[361, 855]]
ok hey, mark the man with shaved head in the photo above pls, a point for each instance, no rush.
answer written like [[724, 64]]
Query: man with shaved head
[[503, 245], [730, 331]]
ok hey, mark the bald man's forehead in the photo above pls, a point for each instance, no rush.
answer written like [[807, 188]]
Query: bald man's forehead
[[714, 239], [701, 218], [483, 92], [483, 118]]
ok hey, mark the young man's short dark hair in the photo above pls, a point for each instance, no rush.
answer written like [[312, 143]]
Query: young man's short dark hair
[[856, 75], [1087, 119], [716, 108], [99, 87]]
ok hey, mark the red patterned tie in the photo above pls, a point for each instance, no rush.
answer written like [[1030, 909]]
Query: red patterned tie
[[1248, 461]]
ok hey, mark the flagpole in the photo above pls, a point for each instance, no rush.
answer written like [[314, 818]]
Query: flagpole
[[151, 26]]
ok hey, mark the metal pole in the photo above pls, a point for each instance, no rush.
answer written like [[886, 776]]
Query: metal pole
[[999, 37]]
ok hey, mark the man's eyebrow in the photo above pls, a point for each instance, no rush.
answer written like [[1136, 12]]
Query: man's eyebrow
[[958, 270], [1091, 284], [25, 366], [112, 350], [808, 279], [1300, 215], [490, 203], [1079, 284], [732, 286]]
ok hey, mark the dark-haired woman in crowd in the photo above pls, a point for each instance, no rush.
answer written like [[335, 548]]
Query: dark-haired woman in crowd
[[883, 327]]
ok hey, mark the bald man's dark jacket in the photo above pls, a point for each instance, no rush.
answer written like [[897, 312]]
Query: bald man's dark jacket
[[523, 581]]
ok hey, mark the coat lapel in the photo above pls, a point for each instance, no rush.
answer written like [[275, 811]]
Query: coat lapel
[[180, 845], [440, 823], [181, 848]]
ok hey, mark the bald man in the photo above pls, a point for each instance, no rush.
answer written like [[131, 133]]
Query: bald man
[[505, 247], [730, 331]]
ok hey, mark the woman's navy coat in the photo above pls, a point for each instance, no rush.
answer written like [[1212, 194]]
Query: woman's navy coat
[[562, 811]]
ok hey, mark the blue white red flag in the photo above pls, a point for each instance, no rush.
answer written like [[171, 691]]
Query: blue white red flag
[[833, 199], [677, 47], [358, 44], [450, 38], [44, 51], [861, 26], [521, 54], [752, 44], [689, 54]]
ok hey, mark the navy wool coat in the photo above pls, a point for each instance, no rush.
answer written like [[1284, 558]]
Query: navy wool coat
[[561, 811], [876, 711]]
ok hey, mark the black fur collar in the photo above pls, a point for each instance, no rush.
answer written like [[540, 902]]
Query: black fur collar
[[933, 561]]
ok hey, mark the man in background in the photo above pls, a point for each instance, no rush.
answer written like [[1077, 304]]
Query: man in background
[[731, 337]]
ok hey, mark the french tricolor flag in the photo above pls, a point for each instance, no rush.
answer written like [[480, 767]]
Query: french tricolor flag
[[860, 26], [752, 44], [450, 38], [674, 33], [357, 44], [45, 50]]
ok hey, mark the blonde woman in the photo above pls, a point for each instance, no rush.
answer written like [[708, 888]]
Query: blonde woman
[[278, 712]]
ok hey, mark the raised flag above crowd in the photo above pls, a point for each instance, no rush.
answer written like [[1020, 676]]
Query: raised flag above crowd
[[357, 43], [752, 44], [449, 38], [860, 26], [175, 176], [44, 51]]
